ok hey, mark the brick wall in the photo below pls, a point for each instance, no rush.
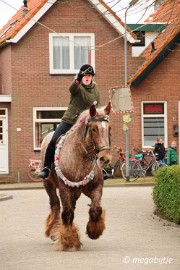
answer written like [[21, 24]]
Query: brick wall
[[33, 86], [162, 84]]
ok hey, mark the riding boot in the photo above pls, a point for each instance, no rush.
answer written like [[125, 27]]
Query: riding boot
[[49, 158]]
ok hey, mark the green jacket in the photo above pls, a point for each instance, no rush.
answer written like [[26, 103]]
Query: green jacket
[[82, 97], [172, 157]]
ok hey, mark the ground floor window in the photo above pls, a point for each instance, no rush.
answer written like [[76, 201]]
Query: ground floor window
[[45, 120], [154, 122]]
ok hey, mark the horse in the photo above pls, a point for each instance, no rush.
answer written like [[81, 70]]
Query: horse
[[79, 158]]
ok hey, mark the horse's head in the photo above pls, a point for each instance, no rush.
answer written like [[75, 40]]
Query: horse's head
[[98, 134]]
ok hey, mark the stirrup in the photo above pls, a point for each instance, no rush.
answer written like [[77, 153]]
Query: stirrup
[[44, 173]]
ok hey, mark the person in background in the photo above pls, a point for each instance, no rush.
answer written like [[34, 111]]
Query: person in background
[[159, 151], [84, 93], [172, 157]]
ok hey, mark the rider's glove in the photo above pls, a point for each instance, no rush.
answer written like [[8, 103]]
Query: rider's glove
[[79, 76]]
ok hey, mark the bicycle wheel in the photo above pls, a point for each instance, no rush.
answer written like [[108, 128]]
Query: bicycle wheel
[[133, 166], [117, 169], [33, 174], [154, 167]]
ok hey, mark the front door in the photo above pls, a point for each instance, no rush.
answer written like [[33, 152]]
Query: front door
[[3, 141]]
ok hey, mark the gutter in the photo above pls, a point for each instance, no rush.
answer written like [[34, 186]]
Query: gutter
[[156, 61]]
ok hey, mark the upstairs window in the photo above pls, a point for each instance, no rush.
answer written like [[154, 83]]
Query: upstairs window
[[68, 52], [140, 36]]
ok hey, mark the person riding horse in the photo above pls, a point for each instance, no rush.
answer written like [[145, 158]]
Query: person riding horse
[[84, 92]]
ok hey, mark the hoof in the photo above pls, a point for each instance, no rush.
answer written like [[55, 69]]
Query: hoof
[[66, 238], [95, 229]]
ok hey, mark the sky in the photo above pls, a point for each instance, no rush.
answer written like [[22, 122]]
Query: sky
[[9, 7]]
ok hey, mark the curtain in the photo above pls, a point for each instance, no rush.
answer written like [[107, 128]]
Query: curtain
[[61, 53], [82, 46]]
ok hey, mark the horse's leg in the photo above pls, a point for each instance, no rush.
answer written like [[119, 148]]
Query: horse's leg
[[67, 234], [95, 225], [54, 216]]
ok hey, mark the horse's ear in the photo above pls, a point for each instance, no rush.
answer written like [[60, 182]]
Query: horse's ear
[[92, 111], [108, 109]]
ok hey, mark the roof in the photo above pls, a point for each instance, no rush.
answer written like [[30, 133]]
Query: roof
[[164, 42], [159, 27], [24, 19]]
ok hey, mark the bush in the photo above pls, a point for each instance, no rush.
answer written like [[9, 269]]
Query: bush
[[166, 192]]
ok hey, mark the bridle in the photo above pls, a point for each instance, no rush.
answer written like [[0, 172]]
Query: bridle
[[88, 129]]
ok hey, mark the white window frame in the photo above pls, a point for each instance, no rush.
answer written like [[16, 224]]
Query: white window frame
[[35, 120], [71, 38], [155, 115]]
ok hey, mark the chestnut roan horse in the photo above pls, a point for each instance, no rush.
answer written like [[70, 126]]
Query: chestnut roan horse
[[79, 158]]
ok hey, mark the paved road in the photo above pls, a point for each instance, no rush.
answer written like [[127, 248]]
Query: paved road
[[133, 239]]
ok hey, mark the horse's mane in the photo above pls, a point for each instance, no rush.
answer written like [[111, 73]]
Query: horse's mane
[[78, 129], [84, 116]]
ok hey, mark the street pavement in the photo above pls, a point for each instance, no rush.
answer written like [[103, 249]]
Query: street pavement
[[134, 238]]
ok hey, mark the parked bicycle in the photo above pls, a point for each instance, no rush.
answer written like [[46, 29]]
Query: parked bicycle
[[113, 170], [140, 165], [33, 170]]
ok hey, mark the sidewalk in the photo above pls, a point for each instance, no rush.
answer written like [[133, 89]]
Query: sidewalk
[[39, 185]]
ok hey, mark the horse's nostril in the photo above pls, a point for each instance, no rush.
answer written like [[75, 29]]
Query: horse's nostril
[[103, 160], [107, 161]]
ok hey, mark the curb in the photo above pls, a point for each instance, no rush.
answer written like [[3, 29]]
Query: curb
[[130, 185], [26, 186], [165, 222]]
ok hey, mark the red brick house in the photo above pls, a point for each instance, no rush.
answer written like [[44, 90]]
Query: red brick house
[[155, 85], [41, 50]]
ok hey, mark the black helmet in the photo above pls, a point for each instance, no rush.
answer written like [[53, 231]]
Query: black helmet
[[87, 69]]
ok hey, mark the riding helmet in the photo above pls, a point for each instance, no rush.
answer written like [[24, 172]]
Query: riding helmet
[[87, 69]]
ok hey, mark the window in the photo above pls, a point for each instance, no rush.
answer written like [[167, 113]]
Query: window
[[140, 36], [68, 52], [154, 122], [45, 121]]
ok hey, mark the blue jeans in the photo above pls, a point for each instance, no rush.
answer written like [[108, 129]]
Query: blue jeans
[[62, 128], [161, 163]]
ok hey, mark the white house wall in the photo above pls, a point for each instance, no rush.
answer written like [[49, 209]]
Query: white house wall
[[149, 37]]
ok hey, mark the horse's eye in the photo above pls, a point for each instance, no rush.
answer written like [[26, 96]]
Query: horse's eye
[[93, 130]]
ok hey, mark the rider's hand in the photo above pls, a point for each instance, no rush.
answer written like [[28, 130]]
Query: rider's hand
[[79, 77]]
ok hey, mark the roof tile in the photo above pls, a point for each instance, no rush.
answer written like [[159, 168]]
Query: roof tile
[[33, 7], [168, 13]]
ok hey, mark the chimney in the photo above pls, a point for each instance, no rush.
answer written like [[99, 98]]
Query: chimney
[[25, 9], [153, 47], [158, 4]]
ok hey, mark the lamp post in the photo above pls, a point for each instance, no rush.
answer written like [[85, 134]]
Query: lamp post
[[133, 2]]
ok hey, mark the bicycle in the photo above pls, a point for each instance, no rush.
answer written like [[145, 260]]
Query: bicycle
[[113, 170], [139, 166], [33, 169]]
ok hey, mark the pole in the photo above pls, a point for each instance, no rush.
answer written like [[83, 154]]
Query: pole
[[125, 81]]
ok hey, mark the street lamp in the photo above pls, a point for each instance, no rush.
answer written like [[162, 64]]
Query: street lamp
[[133, 2]]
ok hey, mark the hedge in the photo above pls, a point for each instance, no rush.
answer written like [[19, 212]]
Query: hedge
[[166, 192]]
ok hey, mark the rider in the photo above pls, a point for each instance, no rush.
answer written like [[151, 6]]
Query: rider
[[84, 93]]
